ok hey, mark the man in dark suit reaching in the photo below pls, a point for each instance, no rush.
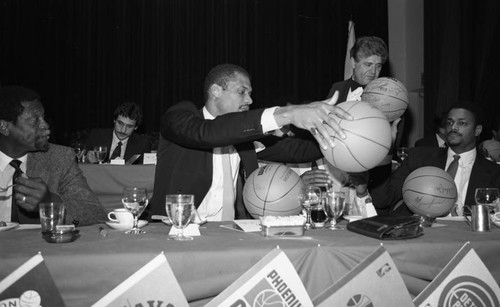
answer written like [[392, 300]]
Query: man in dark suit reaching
[[463, 126], [200, 150], [121, 141]]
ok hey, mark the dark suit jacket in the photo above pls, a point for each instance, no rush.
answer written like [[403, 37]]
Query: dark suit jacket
[[137, 144], [58, 169], [343, 88], [429, 141], [484, 174], [184, 159]]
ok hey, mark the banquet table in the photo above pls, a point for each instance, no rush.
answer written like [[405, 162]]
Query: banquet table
[[108, 180], [87, 269]]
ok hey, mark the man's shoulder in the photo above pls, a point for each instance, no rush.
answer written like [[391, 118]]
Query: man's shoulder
[[54, 155]]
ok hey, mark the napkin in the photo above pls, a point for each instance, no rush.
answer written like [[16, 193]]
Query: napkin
[[191, 230]]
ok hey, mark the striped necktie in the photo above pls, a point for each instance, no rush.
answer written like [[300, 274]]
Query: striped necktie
[[452, 170], [13, 213]]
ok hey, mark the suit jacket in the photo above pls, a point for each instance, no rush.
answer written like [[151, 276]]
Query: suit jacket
[[64, 179], [137, 144], [343, 87], [484, 174], [184, 159]]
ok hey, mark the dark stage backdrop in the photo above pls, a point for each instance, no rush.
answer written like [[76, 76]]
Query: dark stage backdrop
[[87, 56], [461, 56]]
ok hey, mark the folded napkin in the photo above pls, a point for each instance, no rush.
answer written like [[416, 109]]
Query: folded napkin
[[191, 230]]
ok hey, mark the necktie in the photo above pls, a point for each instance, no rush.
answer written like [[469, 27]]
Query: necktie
[[16, 165], [117, 152], [228, 190], [452, 170]]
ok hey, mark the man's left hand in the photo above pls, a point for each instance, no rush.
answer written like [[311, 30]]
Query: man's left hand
[[29, 192]]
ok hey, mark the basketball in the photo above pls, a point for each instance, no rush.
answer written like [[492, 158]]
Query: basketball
[[272, 190], [491, 149], [429, 191], [367, 142], [387, 94]]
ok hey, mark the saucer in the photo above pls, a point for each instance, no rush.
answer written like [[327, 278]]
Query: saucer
[[61, 236], [9, 226], [116, 225]]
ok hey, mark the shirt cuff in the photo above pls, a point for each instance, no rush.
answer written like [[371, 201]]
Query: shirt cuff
[[267, 120]]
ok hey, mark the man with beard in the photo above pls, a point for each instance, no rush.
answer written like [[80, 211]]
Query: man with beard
[[200, 150], [43, 171], [463, 127]]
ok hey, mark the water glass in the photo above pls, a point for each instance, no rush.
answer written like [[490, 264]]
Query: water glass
[[51, 215], [180, 210], [100, 153]]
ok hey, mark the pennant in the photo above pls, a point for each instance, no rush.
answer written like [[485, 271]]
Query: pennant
[[464, 281], [351, 38], [152, 285], [272, 281], [374, 282], [30, 285]]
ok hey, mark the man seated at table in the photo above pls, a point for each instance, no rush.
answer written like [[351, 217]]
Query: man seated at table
[[121, 141], [200, 150], [42, 171], [463, 127]]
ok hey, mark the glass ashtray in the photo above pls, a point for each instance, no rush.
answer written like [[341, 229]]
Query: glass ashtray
[[61, 236]]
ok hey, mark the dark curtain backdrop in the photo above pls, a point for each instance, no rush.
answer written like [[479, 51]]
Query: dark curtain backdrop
[[461, 56], [87, 56]]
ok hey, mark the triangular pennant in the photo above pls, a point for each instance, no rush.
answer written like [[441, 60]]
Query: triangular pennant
[[374, 282], [152, 285], [464, 281], [272, 281], [30, 285]]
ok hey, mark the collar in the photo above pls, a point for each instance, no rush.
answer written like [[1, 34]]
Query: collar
[[207, 114], [116, 139], [466, 158], [5, 160]]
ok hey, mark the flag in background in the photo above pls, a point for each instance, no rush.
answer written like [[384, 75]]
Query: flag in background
[[351, 37]]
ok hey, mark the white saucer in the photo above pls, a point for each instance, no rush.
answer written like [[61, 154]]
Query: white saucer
[[116, 225], [9, 226], [352, 218]]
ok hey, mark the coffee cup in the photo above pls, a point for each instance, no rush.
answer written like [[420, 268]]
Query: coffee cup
[[51, 215], [121, 216]]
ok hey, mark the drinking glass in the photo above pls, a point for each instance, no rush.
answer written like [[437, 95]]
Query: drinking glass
[[334, 207], [100, 153], [308, 197], [402, 153], [487, 196], [79, 152], [135, 200], [180, 211]]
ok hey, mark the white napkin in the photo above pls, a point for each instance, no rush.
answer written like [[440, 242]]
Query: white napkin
[[355, 95], [191, 230]]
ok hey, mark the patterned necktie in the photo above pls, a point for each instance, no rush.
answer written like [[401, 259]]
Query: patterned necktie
[[117, 152], [228, 196], [452, 170], [13, 213]]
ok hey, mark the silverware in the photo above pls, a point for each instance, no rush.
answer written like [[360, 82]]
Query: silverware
[[6, 188]]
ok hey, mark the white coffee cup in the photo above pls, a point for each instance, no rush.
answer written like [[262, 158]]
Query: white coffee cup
[[122, 216], [496, 217]]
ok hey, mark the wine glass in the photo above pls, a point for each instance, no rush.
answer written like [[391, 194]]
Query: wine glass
[[308, 197], [402, 153], [135, 200], [79, 152], [180, 209], [488, 197], [100, 153], [334, 207]]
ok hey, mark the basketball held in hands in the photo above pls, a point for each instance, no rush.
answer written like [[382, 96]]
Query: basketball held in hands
[[367, 142], [389, 95]]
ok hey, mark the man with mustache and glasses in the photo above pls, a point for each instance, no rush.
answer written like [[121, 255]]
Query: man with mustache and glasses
[[43, 171], [200, 150], [462, 129], [121, 141]]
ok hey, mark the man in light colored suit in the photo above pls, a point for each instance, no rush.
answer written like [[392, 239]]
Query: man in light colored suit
[[47, 171]]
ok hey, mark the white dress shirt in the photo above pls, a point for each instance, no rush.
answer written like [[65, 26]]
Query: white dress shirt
[[6, 173], [463, 174], [211, 206]]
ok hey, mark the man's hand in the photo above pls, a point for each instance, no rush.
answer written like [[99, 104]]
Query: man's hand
[[317, 117], [317, 178], [91, 158], [29, 192]]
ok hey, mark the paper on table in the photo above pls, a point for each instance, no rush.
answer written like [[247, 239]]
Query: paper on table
[[248, 225], [190, 230]]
